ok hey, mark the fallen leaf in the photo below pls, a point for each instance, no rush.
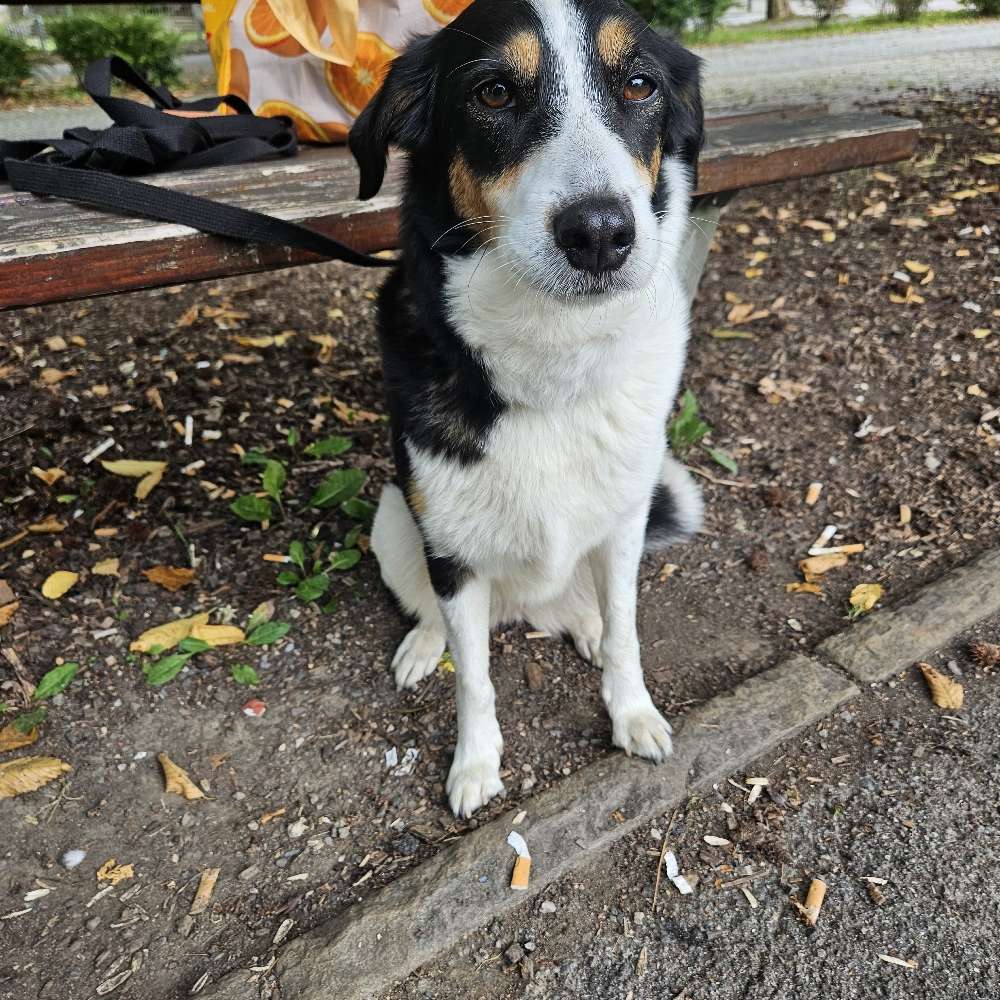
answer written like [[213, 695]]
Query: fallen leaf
[[53, 376], [58, 584], [273, 814], [964, 194], [114, 873], [781, 390], [723, 334], [818, 225], [945, 693], [864, 597], [351, 416], [106, 567], [11, 738], [188, 317], [218, 635], [818, 565], [326, 345], [167, 636], [7, 613], [803, 588], [6, 594], [990, 159], [149, 473], [177, 781], [26, 774], [915, 267], [56, 343], [14, 539], [154, 398], [206, 886], [147, 484], [48, 476], [267, 340], [171, 578], [50, 526]]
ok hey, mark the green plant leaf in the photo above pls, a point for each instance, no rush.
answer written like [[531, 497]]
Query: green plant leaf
[[293, 437], [65, 498], [193, 646], [165, 670], [724, 459], [337, 487], [243, 673], [351, 538], [360, 510], [329, 447], [687, 428], [255, 457], [27, 721], [273, 479], [344, 559], [287, 577], [268, 633], [251, 508], [297, 553], [313, 587], [56, 680], [330, 606]]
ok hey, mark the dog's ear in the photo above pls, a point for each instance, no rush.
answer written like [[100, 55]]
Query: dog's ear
[[400, 113], [684, 116]]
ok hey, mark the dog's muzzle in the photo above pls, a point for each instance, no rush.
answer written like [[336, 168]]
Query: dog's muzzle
[[595, 233]]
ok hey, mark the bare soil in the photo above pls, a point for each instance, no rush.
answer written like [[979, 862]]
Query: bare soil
[[712, 613]]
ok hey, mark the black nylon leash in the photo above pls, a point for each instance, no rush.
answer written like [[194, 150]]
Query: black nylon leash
[[94, 166]]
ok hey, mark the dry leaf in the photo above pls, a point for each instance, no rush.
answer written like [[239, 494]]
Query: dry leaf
[[188, 317], [7, 613], [326, 346], [58, 583], [52, 376], [990, 159], [114, 873], [171, 578], [26, 774], [865, 596], [147, 483], [106, 567], [352, 416], [154, 398], [803, 588], [205, 889], [818, 565], [149, 473], [267, 340], [11, 738], [50, 526], [915, 267], [723, 334], [6, 594], [818, 225], [167, 636], [945, 693], [48, 476], [176, 780], [782, 389], [218, 635]]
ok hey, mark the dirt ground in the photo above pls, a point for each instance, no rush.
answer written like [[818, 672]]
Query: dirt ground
[[835, 330]]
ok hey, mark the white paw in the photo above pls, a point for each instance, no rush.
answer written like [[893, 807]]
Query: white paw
[[473, 780], [586, 636], [642, 732], [417, 656]]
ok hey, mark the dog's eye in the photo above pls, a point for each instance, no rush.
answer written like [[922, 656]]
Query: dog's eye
[[495, 94], [638, 88]]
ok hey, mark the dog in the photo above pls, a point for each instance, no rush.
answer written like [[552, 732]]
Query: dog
[[533, 337]]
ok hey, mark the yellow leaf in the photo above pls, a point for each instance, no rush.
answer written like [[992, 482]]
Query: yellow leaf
[[803, 588], [990, 159], [58, 583], [147, 483], [26, 774], [963, 194], [817, 225], [167, 636], [218, 635], [106, 567], [7, 613], [132, 468], [48, 476], [326, 344], [171, 578], [981, 333], [50, 526], [758, 257], [829, 237], [176, 780], [865, 596], [915, 267], [818, 565], [753, 272], [11, 738], [945, 693], [114, 873]]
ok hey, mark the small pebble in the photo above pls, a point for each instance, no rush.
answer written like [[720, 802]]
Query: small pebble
[[73, 858], [548, 906]]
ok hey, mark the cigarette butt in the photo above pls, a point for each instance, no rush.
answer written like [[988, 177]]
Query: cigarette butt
[[814, 901], [851, 549], [812, 494], [206, 887], [825, 535], [522, 871], [905, 513]]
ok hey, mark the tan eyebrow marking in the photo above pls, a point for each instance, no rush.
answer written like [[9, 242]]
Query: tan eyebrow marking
[[615, 40], [524, 53]]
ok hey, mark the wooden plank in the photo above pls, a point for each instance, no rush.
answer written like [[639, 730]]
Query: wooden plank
[[52, 251]]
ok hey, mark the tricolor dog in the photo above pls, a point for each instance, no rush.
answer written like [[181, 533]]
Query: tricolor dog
[[533, 337]]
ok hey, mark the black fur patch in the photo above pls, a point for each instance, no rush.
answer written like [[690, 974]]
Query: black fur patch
[[447, 575], [662, 525]]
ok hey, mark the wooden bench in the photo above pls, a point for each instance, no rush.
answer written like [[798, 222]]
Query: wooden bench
[[54, 251]]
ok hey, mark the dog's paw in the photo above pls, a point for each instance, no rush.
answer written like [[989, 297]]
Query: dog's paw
[[642, 732], [586, 636], [473, 780], [417, 656]]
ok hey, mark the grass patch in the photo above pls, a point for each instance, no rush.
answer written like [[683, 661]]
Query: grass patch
[[744, 34]]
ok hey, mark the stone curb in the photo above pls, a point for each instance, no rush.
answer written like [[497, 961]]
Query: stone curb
[[890, 641], [376, 943]]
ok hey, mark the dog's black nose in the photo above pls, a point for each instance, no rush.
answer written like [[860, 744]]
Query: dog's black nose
[[595, 233]]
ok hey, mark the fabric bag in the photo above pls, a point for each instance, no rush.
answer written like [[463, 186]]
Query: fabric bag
[[318, 62]]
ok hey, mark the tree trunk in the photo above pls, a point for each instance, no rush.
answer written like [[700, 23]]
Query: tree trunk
[[778, 10]]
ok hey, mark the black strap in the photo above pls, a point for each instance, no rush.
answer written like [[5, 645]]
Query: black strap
[[92, 166]]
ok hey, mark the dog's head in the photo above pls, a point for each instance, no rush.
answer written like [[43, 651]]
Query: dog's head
[[551, 135]]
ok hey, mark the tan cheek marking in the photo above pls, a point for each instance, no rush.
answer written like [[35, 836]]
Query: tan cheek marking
[[524, 54], [651, 170], [614, 40], [474, 198], [416, 498]]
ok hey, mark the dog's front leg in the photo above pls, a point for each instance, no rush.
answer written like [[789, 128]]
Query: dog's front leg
[[475, 772], [636, 726]]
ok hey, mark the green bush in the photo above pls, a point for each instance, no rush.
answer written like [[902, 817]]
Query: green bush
[[14, 66], [141, 39], [677, 16], [984, 8], [907, 10]]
